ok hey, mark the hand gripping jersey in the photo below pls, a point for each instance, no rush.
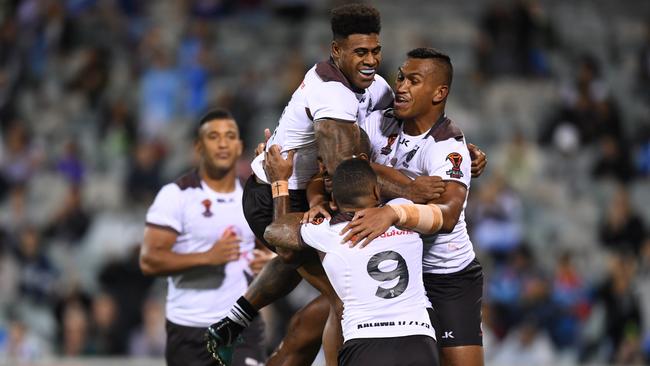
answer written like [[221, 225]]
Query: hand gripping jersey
[[324, 93], [439, 152], [380, 285], [200, 296]]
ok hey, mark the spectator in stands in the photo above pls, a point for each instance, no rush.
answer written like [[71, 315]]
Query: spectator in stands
[[621, 230], [20, 347], [71, 221], [149, 339], [144, 177], [570, 303], [104, 337], [38, 276], [512, 41], [160, 95], [519, 161], [517, 290], [614, 161], [117, 133], [621, 304], [528, 345], [74, 330], [587, 106], [496, 218], [70, 165], [18, 162]]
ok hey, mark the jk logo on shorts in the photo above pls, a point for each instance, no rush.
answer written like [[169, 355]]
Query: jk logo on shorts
[[456, 159]]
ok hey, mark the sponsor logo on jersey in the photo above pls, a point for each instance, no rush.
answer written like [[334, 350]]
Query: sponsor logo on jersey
[[456, 159], [207, 204], [394, 232], [388, 148]]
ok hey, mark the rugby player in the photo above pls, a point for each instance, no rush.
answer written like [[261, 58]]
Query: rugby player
[[418, 139], [385, 315], [196, 234]]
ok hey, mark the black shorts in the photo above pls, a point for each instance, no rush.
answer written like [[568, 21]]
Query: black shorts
[[415, 350], [186, 346], [258, 206], [456, 299]]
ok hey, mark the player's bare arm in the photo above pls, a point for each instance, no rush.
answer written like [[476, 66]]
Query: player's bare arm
[[394, 184], [157, 257], [337, 140], [440, 216]]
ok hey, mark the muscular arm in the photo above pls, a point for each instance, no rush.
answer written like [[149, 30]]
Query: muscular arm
[[440, 215], [337, 140], [394, 184], [157, 257], [451, 204]]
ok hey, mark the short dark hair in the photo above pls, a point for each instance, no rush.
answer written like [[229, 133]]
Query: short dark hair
[[354, 19], [436, 56], [353, 179], [211, 115]]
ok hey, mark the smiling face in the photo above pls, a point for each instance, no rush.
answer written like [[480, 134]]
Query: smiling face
[[358, 56], [219, 145], [419, 88]]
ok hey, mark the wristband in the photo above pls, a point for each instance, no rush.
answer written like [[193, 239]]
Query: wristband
[[426, 219], [280, 188]]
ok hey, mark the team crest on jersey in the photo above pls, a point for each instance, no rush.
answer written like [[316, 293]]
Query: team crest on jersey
[[388, 148], [456, 159], [317, 220], [207, 204]]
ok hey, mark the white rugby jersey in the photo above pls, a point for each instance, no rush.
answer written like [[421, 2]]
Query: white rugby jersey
[[380, 285], [324, 93], [200, 296], [439, 152]]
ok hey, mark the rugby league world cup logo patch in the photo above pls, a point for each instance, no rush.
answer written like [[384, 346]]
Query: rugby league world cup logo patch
[[456, 159], [207, 204], [388, 149]]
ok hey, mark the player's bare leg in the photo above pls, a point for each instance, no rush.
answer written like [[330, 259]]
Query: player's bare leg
[[333, 334], [461, 356], [303, 340], [276, 280]]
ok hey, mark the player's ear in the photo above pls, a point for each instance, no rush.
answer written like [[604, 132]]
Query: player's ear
[[336, 50], [377, 193], [440, 93]]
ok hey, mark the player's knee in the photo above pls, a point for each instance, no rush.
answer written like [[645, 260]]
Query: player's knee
[[288, 256]]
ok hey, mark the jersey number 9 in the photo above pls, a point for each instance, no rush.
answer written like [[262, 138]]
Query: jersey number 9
[[401, 272]]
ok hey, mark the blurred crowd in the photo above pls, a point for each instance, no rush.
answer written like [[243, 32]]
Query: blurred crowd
[[98, 100]]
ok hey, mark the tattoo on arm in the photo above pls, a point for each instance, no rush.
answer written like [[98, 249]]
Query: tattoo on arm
[[336, 140], [392, 183]]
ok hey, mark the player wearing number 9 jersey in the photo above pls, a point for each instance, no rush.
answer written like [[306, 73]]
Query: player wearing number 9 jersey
[[385, 307]]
